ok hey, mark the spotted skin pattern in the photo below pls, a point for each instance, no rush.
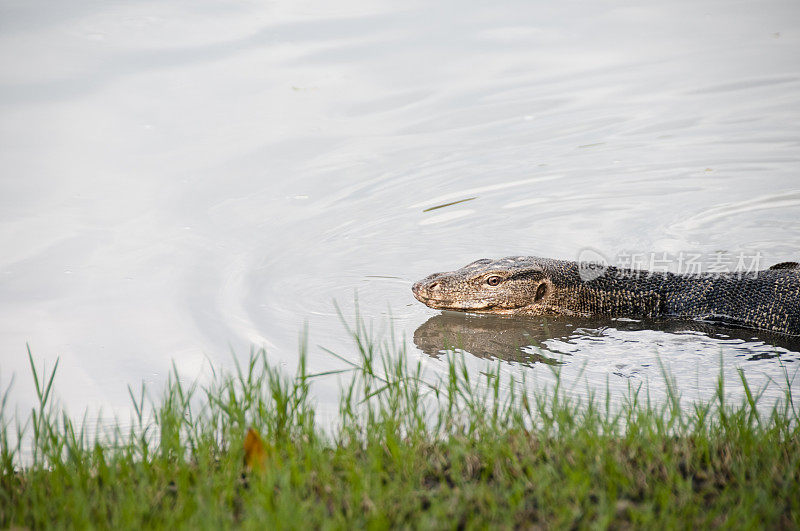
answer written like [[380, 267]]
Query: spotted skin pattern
[[763, 300]]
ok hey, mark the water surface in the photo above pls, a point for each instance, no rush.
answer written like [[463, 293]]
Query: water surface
[[182, 180]]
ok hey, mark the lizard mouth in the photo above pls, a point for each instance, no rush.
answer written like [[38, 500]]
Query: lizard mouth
[[423, 295], [439, 304]]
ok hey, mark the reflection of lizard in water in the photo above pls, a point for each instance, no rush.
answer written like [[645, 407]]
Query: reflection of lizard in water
[[484, 336], [509, 337]]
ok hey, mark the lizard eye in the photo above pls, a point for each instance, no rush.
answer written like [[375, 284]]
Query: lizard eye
[[494, 280]]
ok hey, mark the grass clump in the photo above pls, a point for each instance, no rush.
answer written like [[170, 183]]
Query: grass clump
[[407, 451]]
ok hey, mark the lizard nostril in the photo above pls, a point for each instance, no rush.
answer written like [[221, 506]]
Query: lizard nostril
[[435, 285]]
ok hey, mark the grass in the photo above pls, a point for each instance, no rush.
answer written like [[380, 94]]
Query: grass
[[407, 451]]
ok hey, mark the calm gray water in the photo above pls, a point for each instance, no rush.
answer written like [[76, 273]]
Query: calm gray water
[[184, 179]]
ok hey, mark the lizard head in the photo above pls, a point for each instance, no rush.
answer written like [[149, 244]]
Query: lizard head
[[506, 285]]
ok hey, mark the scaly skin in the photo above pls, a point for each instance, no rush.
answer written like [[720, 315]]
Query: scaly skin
[[763, 300]]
